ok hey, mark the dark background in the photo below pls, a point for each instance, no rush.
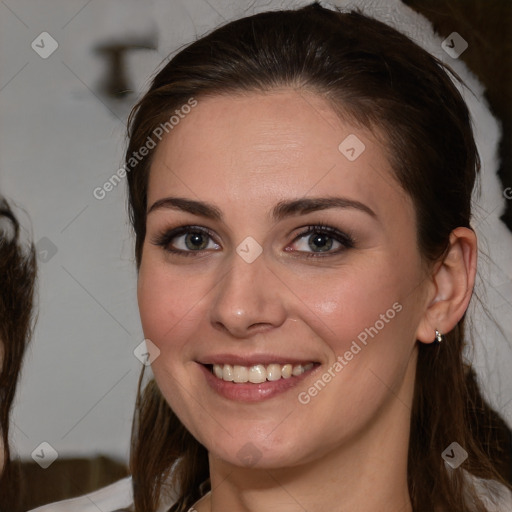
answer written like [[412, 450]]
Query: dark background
[[487, 27]]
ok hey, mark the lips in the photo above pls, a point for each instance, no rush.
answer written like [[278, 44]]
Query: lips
[[251, 360]]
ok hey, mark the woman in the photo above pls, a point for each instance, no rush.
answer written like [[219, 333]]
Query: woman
[[305, 261], [18, 274]]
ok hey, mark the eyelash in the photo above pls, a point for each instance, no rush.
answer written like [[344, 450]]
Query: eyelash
[[164, 239]]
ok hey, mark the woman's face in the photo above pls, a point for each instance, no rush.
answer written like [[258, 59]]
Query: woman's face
[[254, 281]]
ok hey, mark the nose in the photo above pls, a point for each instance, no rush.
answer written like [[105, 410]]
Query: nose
[[249, 299]]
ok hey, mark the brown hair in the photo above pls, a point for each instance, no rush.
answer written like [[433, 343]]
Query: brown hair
[[378, 78], [18, 271]]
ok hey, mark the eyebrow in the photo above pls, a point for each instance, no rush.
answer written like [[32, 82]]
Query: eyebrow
[[281, 210]]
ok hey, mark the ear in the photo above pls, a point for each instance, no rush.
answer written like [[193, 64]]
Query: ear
[[453, 278]]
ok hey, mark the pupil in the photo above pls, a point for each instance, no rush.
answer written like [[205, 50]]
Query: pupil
[[319, 242], [195, 239]]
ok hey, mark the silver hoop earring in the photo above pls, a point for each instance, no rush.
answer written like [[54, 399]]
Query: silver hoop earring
[[439, 338]]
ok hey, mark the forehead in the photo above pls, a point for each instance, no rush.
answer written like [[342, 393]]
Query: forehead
[[261, 147]]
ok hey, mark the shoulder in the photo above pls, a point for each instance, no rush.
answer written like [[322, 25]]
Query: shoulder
[[107, 499], [495, 496]]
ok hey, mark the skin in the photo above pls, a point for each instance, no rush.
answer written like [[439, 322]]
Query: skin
[[345, 450]]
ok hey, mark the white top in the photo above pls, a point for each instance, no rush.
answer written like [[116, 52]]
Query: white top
[[119, 495], [116, 496], [502, 496]]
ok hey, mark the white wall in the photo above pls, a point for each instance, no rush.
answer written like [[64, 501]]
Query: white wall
[[59, 140]]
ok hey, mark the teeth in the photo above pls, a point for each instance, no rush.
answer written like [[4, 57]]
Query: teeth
[[258, 373], [273, 372], [286, 371], [227, 372], [218, 371], [297, 370], [240, 373]]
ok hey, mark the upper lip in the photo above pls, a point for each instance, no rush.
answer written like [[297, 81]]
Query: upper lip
[[252, 360]]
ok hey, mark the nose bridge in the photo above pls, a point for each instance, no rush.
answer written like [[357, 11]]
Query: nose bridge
[[247, 295]]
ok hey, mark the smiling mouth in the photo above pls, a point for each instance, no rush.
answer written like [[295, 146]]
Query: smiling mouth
[[258, 373]]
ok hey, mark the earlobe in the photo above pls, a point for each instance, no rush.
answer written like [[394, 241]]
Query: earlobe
[[454, 279]]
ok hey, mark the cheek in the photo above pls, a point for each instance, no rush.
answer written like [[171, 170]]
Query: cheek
[[173, 305], [168, 307], [366, 315], [364, 321], [163, 301], [343, 303]]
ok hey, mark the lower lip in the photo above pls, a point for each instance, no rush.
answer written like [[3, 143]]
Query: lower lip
[[249, 392]]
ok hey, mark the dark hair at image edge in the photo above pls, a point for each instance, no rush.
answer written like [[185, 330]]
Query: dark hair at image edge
[[378, 79], [18, 276]]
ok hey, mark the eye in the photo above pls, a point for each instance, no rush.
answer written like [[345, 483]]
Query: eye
[[321, 239], [185, 240], [194, 240]]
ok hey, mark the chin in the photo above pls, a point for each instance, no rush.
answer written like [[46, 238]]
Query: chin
[[248, 452]]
